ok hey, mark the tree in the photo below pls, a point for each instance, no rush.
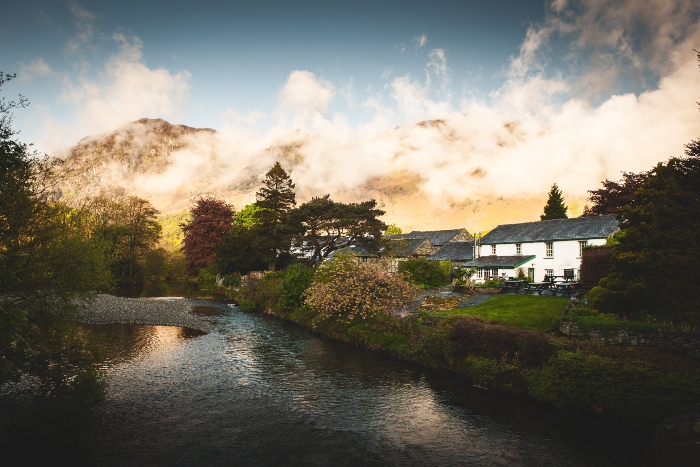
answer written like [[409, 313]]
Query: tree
[[425, 272], [655, 265], [347, 290], [211, 220], [238, 251], [614, 195], [125, 227], [142, 230], [275, 199], [393, 229], [322, 226], [48, 265], [555, 208]]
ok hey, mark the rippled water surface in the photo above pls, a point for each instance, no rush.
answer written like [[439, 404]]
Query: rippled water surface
[[258, 391]]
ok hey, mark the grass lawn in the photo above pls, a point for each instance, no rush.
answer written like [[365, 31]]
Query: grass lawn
[[520, 311]]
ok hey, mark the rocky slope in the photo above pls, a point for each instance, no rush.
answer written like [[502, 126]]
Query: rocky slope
[[171, 165]]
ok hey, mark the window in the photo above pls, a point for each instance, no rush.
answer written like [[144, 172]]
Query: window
[[493, 249], [480, 273], [494, 273], [581, 245], [518, 248], [548, 272], [549, 246]]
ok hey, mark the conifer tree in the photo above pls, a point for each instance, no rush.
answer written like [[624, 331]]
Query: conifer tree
[[555, 207], [275, 198]]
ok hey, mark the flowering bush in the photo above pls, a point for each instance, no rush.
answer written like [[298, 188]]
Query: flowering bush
[[346, 289]]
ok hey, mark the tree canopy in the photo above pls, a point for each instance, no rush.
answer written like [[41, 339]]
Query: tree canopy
[[211, 219], [658, 258], [48, 263], [614, 195], [555, 207], [322, 226]]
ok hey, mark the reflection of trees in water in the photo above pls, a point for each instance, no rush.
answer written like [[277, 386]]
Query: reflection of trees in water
[[127, 342]]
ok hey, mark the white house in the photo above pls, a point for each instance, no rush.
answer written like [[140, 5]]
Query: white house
[[545, 248]]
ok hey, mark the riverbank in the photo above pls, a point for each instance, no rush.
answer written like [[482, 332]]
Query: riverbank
[[108, 309], [637, 386]]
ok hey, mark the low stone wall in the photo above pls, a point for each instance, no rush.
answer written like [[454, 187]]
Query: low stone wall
[[490, 290], [679, 342]]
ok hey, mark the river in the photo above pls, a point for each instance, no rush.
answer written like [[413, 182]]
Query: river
[[259, 391]]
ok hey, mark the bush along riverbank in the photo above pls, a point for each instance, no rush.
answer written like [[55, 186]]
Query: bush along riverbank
[[359, 304]]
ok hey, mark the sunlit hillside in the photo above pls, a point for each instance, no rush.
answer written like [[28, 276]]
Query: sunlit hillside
[[172, 165]]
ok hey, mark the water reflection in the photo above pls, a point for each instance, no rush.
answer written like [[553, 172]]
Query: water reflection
[[126, 342], [257, 391]]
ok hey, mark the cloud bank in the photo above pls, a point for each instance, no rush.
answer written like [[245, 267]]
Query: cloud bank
[[562, 120]]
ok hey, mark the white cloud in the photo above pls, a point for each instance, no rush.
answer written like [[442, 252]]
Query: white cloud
[[420, 40], [33, 69]]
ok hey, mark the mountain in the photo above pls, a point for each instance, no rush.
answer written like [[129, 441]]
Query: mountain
[[172, 165]]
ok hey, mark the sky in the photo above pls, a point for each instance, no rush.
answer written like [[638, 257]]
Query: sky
[[531, 92]]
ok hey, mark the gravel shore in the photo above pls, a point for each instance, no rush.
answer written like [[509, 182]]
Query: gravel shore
[[108, 309]]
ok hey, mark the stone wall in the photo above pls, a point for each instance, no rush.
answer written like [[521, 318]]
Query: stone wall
[[679, 342]]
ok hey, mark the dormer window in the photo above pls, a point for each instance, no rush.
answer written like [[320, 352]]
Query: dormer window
[[493, 249]]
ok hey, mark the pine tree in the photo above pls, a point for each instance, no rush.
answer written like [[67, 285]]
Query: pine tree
[[277, 193], [275, 198], [555, 208]]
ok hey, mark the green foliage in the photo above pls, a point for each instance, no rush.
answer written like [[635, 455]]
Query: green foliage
[[555, 207], [425, 273], [638, 391], [322, 226], [231, 280], [239, 252], [656, 265], [261, 294], [520, 274], [297, 279], [48, 264], [249, 216], [275, 199], [393, 229]]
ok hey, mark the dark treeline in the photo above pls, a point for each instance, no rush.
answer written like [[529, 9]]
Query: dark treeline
[[273, 232]]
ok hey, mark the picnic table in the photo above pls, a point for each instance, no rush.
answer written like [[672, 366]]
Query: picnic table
[[513, 285], [566, 288], [539, 287]]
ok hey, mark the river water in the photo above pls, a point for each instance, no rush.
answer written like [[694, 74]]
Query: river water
[[259, 391]]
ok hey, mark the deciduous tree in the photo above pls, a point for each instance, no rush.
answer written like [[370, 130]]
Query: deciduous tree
[[211, 220], [614, 195], [347, 290]]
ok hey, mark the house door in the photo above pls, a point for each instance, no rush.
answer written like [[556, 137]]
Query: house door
[[531, 274]]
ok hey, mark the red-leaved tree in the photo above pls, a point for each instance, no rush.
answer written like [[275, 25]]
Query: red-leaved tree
[[211, 220]]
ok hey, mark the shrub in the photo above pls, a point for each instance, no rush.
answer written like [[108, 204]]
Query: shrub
[[489, 283], [348, 290], [595, 264], [425, 272], [476, 337], [297, 279], [232, 280], [261, 294]]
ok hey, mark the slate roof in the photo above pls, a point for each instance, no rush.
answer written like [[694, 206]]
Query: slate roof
[[499, 261], [436, 237], [454, 251], [404, 247], [579, 228]]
